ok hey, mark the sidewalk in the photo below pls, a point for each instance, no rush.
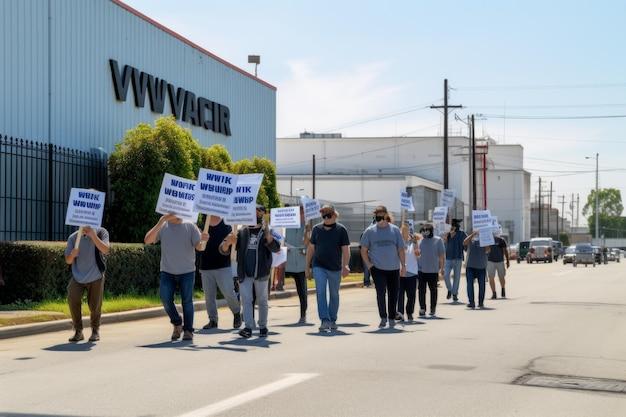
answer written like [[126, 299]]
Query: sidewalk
[[147, 313]]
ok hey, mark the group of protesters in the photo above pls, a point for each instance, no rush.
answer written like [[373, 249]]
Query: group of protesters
[[402, 262]]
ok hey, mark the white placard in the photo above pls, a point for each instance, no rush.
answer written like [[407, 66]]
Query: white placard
[[287, 217], [406, 201], [485, 236], [215, 192], [279, 258], [243, 209], [480, 219], [311, 208], [440, 214], [443, 228], [85, 208], [177, 197], [447, 198]]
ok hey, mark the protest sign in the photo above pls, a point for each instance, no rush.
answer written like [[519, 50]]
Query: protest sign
[[485, 236], [215, 192], [406, 201], [287, 217], [311, 208], [243, 209], [279, 258], [177, 197], [480, 219], [443, 228], [440, 214], [85, 208], [447, 198]]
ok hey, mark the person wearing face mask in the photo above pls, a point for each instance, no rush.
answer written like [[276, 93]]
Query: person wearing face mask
[[475, 268], [254, 246], [431, 263], [329, 253], [495, 263], [297, 241], [454, 258], [382, 250], [408, 282]]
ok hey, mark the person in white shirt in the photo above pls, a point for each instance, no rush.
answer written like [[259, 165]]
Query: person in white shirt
[[408, 282]]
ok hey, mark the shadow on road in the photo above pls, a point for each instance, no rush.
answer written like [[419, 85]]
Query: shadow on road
[[71, 347], [352, 325], [435, 318], [484, 309], [412, 323], [296, 325], [329, 334], [394, 330], [182, 345], [255, 342], [214, 331], [226, 348]]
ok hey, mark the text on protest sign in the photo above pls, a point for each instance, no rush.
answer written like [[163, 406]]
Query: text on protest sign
[[447, 198], [480, 219], [287, 217], [177, 197], [215, 192], [485, 236], [406, 201], [85, 208], [311, 208], [243, 209], [440, 214]]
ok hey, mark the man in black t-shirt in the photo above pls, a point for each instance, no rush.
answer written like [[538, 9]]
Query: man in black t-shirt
[[495, 263], [216, 272], [329, 249]]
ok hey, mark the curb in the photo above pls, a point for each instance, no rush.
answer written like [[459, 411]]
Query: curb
[[146, 313]]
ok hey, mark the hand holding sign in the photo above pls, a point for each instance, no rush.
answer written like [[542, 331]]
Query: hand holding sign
[[177, 198], [406, 202], [85, 208]]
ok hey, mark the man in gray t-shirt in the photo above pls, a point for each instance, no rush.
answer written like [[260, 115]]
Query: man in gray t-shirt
[[87, 275], [179, 241]]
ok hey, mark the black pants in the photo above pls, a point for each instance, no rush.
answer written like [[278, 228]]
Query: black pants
[[430, 280], [386, 282], [408, 286], [300, 279]]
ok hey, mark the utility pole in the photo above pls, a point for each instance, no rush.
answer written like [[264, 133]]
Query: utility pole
[[597, 216], [313, 175], [562, 217], [549, 208], [571, 206], [577, 208], [473, 163], [540, 209], [445, 108]]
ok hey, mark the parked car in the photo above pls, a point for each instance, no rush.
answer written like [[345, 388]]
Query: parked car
[[513, 251], [597, 251], [617, 253], [557, 249], [522, 250], [540, 250], [610, 255], [585, 254], [570, 255]]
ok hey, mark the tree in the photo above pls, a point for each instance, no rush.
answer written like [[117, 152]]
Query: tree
[[609, 202], [268, 193]]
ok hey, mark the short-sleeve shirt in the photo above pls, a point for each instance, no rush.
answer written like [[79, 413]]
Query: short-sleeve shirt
[[497, 250], [211, 257], [178, 247], [454, 245], [252, 251], [328, 244], [476, 256], [431, 248], [85, 268], [382, 244]]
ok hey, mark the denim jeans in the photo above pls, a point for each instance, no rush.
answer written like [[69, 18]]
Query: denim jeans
[[453, 265], [254, 291], [167, 289], [479, 274], [366, 276], [324, 278]]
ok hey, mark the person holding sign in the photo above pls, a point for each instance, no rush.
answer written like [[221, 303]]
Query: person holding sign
[[254, 246], [84, 251], [454, 258], [297, 240], [216, 273], [329, 253], [475, 268], [179, 241], [382, 250], [431, 262], [495, 263]]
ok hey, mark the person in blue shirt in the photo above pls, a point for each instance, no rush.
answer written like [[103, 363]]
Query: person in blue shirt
[[454, 258]]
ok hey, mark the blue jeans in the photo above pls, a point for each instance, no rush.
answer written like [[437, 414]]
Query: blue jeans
[[453, 265], [324, 278], [479, 274], [366, 276], [167, 289]]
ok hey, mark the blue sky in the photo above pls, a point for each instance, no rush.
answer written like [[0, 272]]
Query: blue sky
[[340, 62]]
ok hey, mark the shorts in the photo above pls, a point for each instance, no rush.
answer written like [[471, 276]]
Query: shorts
[[493, 267]]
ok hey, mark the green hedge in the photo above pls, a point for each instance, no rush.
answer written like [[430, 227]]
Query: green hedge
[[36, 271]]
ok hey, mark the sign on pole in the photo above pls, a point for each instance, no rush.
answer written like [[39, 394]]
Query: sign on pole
[[406, 201], [311, 208], [447, 198], [287, 217], [243, 209], [85, 208], [440, 214], [215, 192], [177, 197], [481, 219]]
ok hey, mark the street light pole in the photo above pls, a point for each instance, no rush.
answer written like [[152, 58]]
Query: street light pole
[[597, 202]]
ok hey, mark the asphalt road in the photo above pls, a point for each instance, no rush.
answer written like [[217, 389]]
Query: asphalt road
[[557, 320]]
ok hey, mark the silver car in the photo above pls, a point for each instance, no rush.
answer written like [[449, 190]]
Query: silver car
[[540, 250]]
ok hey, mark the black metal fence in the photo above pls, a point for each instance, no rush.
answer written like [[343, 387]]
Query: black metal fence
[[35, 183]]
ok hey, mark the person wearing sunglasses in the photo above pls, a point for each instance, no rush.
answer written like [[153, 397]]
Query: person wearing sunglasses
[[382, 250], [329, 252]]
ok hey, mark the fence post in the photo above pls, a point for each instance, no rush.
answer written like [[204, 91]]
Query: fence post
[[50, 196]]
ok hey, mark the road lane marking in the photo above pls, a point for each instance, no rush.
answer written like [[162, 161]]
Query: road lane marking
[[237, 400]]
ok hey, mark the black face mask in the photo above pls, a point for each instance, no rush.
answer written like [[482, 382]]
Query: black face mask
[[427, 233], [259, 219], [379, 218]]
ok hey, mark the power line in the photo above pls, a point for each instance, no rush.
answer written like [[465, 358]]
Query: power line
[[546, 106], [541, 87], [528, 117]]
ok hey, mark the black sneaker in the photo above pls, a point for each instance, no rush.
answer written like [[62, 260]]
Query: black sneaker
[[263, 332], [481, 306], [449, 295], [455, 298], [503, 293], [245, 333], [409, 317], [399, 317], [237, 320], [471, 305], [78, 336], [494, 296], [211, 325]]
